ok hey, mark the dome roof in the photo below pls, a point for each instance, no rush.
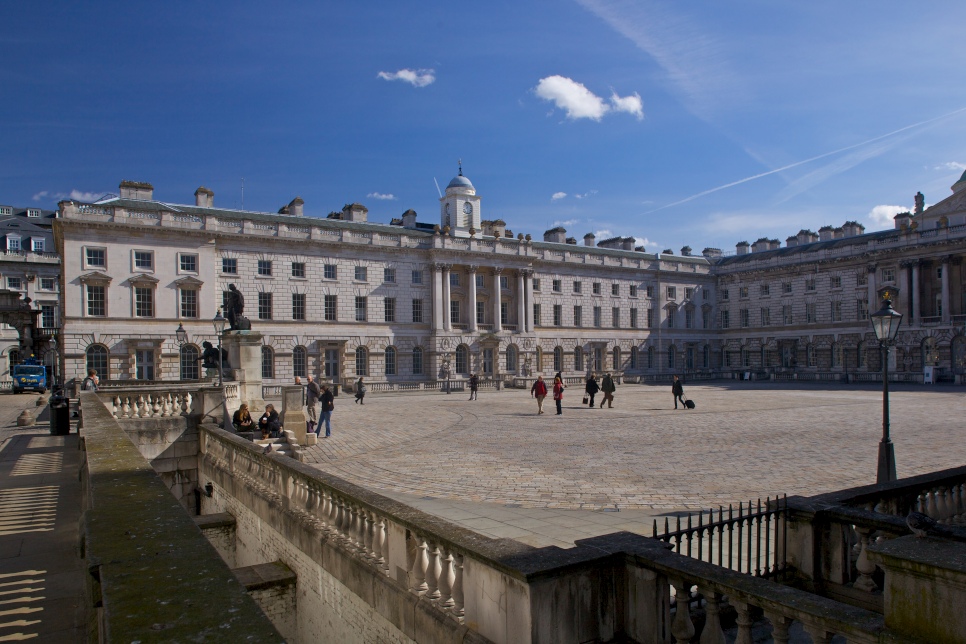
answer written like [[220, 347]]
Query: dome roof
[[460, 181]]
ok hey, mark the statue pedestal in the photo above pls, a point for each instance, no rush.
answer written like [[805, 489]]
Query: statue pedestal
[[245, 354], [293, 418]]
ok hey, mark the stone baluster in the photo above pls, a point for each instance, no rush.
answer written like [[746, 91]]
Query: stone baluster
[[433, 570], [946, 503], [744, 622], [779, 627], [863, 565], [445, 578], [140, 406], [339, 519], [115, 405], [458, 585], [328, 510], [421, 563], [166, 406], [368, 534], [156, 407], [932, 507], [186, 404], [682, 627], [379, 542], [126, 407], [712, 632], [358, 529], [818, 633]]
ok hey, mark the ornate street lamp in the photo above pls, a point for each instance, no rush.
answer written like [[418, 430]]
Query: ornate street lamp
[[219, 322], [182, 335], [885, 323]]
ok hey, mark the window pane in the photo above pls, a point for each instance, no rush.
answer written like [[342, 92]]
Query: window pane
[[189, 362], [300, 362], [268, 362]]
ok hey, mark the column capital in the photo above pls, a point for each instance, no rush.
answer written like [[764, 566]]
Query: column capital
[[870, 268], [472, 268], [528, 272], [908, 263], [945, 259], [497, 269]]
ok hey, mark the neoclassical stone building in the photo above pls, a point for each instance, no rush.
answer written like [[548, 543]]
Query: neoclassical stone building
[[342, 297], [339, 297]]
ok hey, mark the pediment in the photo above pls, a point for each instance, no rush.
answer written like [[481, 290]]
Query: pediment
[[143, 279], [95, 277], [189, 282]]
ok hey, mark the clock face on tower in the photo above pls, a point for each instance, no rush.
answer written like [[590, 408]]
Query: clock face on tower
[[467, 208]]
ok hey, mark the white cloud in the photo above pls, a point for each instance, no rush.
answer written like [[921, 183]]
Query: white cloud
[[581, 103], [572, 97], [381, 196], [630, 104], [76, 195], [645, 242], [585, 195], [558, 195], [603, 234], [415, 77], [566, 222], [951, 165], [883, 216]]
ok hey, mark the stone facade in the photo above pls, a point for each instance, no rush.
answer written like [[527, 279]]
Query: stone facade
[[29, 266], [340, 297]]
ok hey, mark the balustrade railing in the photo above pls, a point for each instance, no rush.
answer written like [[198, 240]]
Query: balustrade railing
[[747, 539], [158, 405]]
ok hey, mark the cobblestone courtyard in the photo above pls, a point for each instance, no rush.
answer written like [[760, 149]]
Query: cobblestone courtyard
[[496, 466]]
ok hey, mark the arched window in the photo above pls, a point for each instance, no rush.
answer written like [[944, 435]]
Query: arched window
[[417, 361], [511, 359], [96, 359], [189, 362], [390, 361], [300, 362], [633, 357], [671, 355], [578, 359], [13, 357], [810, 355], [539, 359], [836, 355], [616, 354], [462, 359], [745, 357], [362, 361], [268, 362], [558, 359], [706, 357], [650, 357]]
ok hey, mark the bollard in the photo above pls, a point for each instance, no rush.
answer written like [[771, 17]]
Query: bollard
[[25, 418]]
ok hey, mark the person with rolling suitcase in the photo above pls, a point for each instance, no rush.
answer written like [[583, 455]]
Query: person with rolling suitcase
[[677, 389]]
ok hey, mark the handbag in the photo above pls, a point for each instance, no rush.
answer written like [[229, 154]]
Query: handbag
[[585, 400]]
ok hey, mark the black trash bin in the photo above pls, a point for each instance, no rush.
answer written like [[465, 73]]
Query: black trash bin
[[59, 414]]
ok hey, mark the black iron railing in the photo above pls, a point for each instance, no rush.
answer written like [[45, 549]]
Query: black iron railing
[[749, 539]]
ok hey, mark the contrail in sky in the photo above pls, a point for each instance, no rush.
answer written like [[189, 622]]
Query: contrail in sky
[[798, 163]]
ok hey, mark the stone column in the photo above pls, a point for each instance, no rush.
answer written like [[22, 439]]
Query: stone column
[[915, 294], [521, 303], [447, 317], [497, 298], [905, 306], [472, 298], [437, 297], [945, 285], [873, 301], [529, 300]]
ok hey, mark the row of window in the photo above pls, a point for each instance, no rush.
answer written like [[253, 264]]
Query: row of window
[[811, 314], [141, 260], [811, 286], [14, 243], [19, 283], [31, 212]]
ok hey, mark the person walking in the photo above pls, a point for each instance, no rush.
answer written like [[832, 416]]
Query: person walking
[[327, 401], [474, 385], [539, 391], [312, 393], [592, 388], [607, 386], [678, 390], [558, 390], [360, 392]]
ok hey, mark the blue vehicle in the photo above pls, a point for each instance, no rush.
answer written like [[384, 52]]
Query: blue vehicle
[[29, 375]]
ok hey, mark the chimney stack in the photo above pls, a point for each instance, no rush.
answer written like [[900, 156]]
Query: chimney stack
[[140, 190], [589, 239], [204, 198]]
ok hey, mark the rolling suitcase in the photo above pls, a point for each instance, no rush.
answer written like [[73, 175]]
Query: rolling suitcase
[[689, 403]]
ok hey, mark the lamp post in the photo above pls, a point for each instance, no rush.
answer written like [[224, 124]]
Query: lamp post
[[885, 323], [182, 337], [219, 323]]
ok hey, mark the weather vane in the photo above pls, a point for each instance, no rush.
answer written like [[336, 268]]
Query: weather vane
[[459, 162]]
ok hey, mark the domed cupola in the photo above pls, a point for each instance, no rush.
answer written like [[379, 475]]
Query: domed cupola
[[459, 208]]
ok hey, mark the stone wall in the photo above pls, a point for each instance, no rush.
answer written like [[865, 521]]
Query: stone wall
[[171, 447]]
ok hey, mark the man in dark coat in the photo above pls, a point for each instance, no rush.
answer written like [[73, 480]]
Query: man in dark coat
[[678, 390], [312, 394], [327, 401], [608, 387], [592, 388]]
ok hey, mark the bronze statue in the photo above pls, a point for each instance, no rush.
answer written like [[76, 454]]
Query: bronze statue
[[234, 307], [920, 202], [210, 357]]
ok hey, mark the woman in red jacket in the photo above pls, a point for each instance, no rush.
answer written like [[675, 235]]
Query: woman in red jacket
[[558, 394]]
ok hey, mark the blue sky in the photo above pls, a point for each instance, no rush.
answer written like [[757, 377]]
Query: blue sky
[[611, 117]]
